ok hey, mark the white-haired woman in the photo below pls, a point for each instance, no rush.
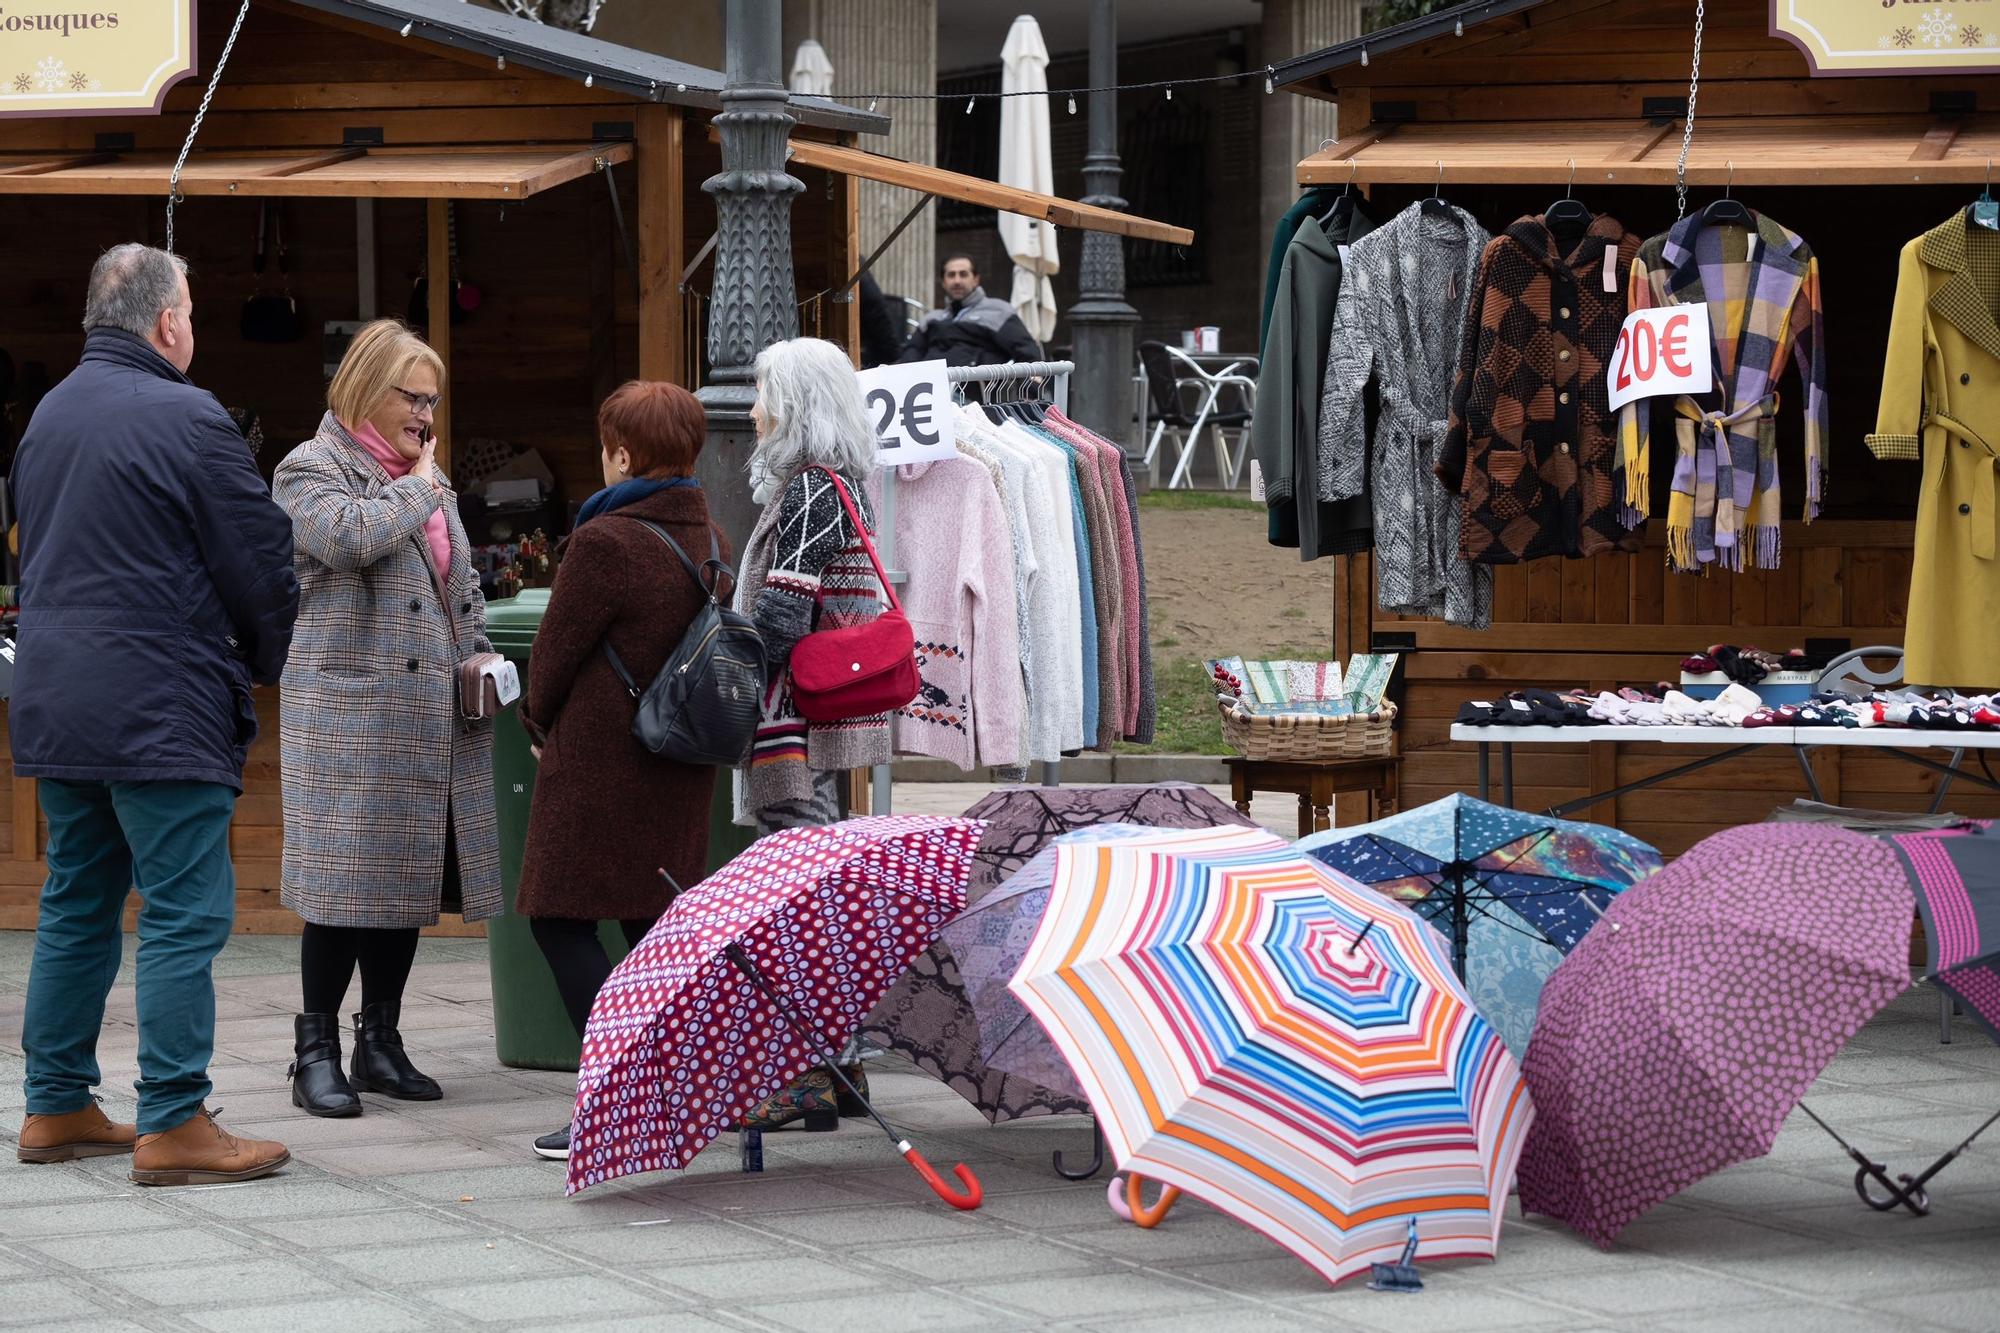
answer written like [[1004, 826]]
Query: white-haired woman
[[805, 568]]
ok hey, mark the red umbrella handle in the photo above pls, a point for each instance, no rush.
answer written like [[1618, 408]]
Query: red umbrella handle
[[970, 1199], [1135, 1201]]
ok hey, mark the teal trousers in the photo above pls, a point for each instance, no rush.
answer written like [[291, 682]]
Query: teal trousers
[[170, 841]]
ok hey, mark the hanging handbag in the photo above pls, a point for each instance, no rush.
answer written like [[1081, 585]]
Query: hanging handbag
[[859, 670], [703, 705], [270, 317]]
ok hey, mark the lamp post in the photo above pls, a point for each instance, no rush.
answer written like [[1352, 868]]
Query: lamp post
[[1101, 322], [755, 300]]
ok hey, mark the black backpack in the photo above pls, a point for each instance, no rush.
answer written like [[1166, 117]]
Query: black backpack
[[704, 705]]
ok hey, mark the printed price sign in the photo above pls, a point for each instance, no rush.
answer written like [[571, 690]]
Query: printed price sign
[[1662, 350], [909, 409]]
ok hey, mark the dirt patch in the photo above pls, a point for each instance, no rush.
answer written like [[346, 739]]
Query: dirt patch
[[1217, 587]]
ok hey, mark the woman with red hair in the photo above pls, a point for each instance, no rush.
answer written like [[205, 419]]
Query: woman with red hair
[[607, 813]]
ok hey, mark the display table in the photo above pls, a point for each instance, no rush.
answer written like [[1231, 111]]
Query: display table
[[1316, 784], [1903, 742]]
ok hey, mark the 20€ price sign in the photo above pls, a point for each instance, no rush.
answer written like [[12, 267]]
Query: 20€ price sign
[[1662, 350], [909, 409]]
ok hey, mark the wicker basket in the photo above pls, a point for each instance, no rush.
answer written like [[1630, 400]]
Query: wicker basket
[[1305, 738]]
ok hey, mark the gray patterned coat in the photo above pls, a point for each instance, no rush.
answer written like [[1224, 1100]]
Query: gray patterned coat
[[373, 751], [1403, 297]]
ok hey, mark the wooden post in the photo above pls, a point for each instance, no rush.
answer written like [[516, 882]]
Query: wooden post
[[662, 245], [849, 214], [438, 269], [27, 811]]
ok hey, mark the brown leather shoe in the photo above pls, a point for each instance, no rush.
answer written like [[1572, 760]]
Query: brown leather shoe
[[202, 1152], [64, 1138]]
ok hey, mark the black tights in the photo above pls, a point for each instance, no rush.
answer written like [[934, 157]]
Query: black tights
[[576, 955], [328, 954]]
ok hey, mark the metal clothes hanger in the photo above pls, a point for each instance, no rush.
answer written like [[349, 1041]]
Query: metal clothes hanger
[[1345, 198], [1727, 211], [1569, 209], [1437, 203]]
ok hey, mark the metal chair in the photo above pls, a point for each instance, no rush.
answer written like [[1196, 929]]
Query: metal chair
[[1171, 377]]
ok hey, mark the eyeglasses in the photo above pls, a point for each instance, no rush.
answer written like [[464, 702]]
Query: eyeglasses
[[420, 402]]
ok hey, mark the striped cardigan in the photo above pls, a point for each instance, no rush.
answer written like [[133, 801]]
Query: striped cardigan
[[805, 568]]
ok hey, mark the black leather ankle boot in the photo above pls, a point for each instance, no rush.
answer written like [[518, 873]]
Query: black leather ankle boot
[[379, 1062], [318, 1084]]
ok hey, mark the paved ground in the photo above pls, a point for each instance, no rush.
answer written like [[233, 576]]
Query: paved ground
[[436, 1216]]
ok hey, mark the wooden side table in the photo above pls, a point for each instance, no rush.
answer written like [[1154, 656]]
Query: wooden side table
[[1317, 784]]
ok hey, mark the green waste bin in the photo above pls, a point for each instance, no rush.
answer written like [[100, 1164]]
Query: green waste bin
[[530, 1029]]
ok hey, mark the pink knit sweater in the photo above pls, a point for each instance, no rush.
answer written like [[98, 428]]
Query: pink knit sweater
[[952, 537]]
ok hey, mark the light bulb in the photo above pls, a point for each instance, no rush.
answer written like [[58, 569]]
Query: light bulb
[[1364, 57], [1072, 104], [1269, 85], [501, 63], [1170, 92], [589, 80], [1458, 28], [871, 106], [968, 106], [407, 27]]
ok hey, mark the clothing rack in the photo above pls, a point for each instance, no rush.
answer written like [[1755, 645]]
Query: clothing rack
[[1058, 372]]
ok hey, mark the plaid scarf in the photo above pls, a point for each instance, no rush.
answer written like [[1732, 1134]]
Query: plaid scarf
[[1762, 293]]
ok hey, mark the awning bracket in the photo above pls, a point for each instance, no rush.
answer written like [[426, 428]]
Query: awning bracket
[[624, 236], [840, 293]]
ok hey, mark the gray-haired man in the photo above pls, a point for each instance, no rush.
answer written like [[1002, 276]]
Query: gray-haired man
[[156, 585]]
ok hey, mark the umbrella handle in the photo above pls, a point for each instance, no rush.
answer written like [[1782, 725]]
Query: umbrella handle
[[1114, 1194], [1135, 1200], [967, 1201]]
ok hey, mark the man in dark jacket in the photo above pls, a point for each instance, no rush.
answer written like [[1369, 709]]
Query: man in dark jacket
[[973, 329], [881, 324], [156, 586]]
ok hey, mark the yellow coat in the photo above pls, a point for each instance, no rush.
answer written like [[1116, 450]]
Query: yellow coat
[[1941, 404]]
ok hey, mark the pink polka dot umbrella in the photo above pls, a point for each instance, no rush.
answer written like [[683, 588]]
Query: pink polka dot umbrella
[[752, 977]]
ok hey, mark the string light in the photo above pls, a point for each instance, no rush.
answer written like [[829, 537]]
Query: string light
[[1170, 92], [1270, 81], [968, 106], [871, 106], [501, 63], [407, 27], [1072, 104], [1458, 28], [589, 80], [1364, 57]]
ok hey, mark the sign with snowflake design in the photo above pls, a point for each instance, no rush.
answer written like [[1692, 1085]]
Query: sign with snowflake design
[[1892, 36], [92, 57]]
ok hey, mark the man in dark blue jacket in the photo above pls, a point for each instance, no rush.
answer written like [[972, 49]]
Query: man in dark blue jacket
[[156, 586]]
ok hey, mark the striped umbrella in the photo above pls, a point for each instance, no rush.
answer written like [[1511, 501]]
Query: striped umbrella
[[1273, 1038]]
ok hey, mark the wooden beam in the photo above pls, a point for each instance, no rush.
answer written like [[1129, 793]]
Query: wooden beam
[[437, 269], [27, 809], [848, 212], [1641, 142], [1937, 140], [297, 165], [47, 165], [662, 245]]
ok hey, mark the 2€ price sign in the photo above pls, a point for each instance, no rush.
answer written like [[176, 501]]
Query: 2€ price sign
[[1662, 350], [909, 409]]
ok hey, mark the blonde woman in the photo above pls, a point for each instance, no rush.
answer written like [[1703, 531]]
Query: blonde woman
[[388, 791]]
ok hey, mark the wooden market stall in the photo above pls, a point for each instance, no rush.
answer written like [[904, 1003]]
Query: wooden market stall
[[386, 140], [1500, 106]]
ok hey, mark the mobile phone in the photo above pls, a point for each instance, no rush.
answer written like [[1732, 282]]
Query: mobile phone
[[425, 438]]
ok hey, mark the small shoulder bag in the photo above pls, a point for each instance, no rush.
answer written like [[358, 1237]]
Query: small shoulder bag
[[858, 670]]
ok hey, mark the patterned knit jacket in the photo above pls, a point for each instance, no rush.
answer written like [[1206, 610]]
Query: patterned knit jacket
[[951, 534], [805, 568], [1533, 444]]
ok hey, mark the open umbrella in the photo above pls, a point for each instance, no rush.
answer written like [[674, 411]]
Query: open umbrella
[[1027, 164], [1280, 1042], [753, 976], [1679, 1033], [1020, 821]]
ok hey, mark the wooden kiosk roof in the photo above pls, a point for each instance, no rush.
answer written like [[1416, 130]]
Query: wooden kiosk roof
[[487, 171], [1513, 91]]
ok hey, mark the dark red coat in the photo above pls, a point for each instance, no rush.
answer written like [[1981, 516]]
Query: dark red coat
[[607, 814]]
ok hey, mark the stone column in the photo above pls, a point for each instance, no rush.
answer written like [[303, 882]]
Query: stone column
[[755, 302], [889, 46], [1295, 125], [1101, 322]]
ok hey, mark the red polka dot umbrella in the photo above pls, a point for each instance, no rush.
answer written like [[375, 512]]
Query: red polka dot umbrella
[[1681, 1031], [752, 977]]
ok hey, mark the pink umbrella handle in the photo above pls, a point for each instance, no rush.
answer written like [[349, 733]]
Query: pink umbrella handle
[[1141, 1214], [969, 1200], [1114, 1194]]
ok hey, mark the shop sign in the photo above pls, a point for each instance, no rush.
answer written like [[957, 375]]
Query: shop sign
[[1661, 350], [1892, 36], [909, 407], [92, 57]]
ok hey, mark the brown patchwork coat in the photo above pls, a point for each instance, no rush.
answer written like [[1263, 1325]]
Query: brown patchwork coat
[[374, 755], [1533, 444]]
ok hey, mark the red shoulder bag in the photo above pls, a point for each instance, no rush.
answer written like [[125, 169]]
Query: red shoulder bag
[[860, 670]]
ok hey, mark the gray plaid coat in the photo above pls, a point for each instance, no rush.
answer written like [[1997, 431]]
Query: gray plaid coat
[[375, 757]]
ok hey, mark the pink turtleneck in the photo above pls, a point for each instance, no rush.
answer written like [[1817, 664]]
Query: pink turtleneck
[[436, 531]]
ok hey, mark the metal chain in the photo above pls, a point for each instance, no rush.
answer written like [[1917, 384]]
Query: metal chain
[[174, 181], [1687, 133]]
